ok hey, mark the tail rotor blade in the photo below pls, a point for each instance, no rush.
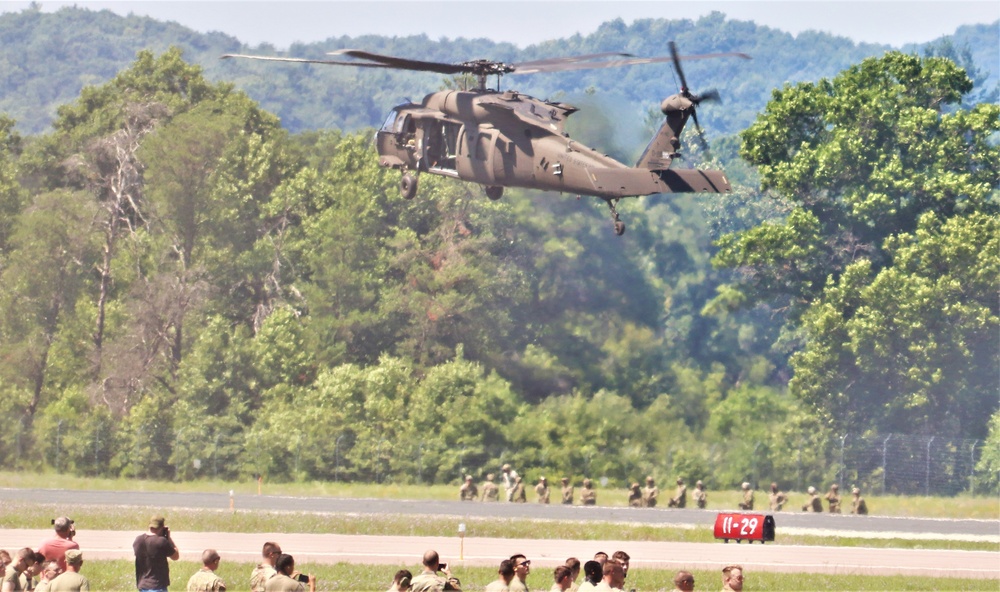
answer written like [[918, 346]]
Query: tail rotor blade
[[680, 71]]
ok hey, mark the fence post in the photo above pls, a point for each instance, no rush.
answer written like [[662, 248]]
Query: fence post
[[336, 458], [753, 478], [97, 447], [927, 476], [972, 468], [58, 442], [840, 474], [420, 463], [885, 466], [215, 457], [798, 469]]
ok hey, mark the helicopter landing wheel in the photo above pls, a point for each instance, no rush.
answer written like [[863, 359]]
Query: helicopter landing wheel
[[494, 192], [619, 225], [408, 186]]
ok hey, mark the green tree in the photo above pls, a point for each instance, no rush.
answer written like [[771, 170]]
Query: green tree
[[912, 347], [988, 466], [12, 195], [882, 180]]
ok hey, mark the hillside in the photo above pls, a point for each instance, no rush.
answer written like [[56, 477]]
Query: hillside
[[46, 58]]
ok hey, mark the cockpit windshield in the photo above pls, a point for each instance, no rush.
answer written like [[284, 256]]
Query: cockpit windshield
[[390, 121]]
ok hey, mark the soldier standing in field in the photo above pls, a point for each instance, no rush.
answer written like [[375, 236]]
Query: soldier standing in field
[[747, 503], [776, 499], [542, 490], [635, 496], [491, 493], [567, 492], [680, 496], [700, 495], [650, 493], [814, 504], [518, 491], [468, 492], [510, 478], [833, 499], [858, 505], [588, 496]]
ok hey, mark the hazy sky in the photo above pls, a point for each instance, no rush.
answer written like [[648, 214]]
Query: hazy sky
[[894, 22]]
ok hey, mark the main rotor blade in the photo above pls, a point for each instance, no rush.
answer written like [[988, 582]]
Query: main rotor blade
[[402, 63], [569, 59], [680, 71], [565, 67], [301, 60]]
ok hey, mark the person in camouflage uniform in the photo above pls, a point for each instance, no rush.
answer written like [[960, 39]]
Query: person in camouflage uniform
[[468, 492], [205, 579], [700, 495], [635, 496], [588, 496], [814, 504], [858, 505], [518, 493], [650, 493], [429, 580], [680, 495], [542, 490], [833, 499], [265, 569], [491, 493], [776, 499], [567, 492], [747, 503]]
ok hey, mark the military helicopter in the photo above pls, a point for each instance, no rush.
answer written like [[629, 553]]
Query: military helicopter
[[505, 138]]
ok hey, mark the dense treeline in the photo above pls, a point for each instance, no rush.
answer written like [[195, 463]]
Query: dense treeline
[[182, 280]]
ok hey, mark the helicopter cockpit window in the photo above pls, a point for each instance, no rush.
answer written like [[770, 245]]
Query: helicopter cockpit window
[[390, 121]]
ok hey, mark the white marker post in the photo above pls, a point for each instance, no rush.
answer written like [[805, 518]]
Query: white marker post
[[461, 544]]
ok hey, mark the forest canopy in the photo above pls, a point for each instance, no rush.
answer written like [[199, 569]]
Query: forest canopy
[[190, 289]]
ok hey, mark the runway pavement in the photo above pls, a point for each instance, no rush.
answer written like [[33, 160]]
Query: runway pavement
[[834, 524], [406, 551]]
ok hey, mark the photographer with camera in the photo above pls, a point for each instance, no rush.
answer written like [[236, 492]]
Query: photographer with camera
[[54, 549], [429, 580], [287, 579], [152, 549]]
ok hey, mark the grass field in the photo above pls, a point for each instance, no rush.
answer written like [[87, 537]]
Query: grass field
[[964, 506], [119, 575], [29, 515]]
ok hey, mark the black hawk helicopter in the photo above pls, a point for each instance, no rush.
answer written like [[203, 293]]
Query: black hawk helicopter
[[508, 139]]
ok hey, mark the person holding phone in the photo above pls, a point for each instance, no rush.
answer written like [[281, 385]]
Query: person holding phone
[[429, 580], [287, 579], [152, 549]]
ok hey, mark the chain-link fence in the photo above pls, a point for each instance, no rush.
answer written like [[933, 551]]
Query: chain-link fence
[[878, 463], [898, 464]]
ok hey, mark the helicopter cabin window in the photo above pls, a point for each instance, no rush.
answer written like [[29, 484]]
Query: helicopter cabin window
[[442, 144]]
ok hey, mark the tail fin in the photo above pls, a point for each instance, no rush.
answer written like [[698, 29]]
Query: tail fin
[[662, 149]]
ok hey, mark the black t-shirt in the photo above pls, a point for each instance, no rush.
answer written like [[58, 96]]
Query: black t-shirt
[[151, 554]]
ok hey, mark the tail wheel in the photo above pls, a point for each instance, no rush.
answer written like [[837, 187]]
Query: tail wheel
[[408, 186], [494, 192], [619, 227]]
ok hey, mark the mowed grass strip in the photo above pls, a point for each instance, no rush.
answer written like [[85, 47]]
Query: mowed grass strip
[[120, 575], [961, 506], [28, 515]]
